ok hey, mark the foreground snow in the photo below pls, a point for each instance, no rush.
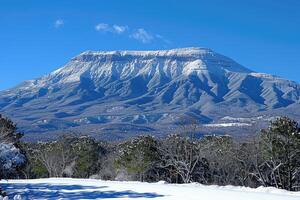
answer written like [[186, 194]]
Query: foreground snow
[[63, 188]]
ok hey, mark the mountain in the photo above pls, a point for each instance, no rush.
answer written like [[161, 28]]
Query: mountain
[[116, 94]]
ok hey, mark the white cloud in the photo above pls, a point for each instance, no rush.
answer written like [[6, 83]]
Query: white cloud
[[102, 27], [59, 23], [142, 35], [119, 29]]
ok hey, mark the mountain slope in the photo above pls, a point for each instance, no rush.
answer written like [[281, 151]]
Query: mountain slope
[[142, 91]]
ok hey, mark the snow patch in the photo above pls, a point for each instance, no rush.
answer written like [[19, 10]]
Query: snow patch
[[67, 188], [227, 125]]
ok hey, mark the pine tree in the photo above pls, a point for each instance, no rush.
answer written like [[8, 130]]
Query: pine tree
[[280, 146], [8, 131], [138, 155], [12, 158]]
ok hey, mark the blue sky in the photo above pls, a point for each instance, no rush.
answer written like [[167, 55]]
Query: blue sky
[[37, 37]]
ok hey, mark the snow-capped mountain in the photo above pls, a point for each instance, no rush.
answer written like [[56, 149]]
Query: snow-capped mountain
[[129, 92]]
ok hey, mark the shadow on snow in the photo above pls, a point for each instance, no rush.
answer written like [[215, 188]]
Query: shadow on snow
[[51, 192]]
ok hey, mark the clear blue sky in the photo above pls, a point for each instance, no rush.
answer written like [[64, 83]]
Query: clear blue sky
[[37, 37]]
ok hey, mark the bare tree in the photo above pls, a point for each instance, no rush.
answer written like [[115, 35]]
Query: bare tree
[[56, 156], [183, 157]]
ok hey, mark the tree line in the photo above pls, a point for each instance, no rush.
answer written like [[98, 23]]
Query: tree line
[[271, 158]]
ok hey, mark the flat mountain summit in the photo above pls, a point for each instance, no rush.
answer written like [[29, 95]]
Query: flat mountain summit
[[117, 94]]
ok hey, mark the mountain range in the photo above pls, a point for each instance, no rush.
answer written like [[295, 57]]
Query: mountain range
[[118, 94]]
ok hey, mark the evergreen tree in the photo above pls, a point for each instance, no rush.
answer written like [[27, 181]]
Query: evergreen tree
[[138, 155], [280, 147], [12, 158], [8, 131]]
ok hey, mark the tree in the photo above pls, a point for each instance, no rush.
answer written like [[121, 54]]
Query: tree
[[220, 153], [138, 155], [182, 157], [88, 154], [56, 156], [8, 131], [68, 156], [248, 158], [12, 158], [280, 147]]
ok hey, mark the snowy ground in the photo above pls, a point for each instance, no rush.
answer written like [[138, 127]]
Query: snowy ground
[[55, 188]]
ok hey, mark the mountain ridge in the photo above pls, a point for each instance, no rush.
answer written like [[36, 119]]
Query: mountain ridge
[[146, 89]]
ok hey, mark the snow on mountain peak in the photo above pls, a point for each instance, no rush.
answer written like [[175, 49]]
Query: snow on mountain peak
[[190, 51], [124, 64]]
